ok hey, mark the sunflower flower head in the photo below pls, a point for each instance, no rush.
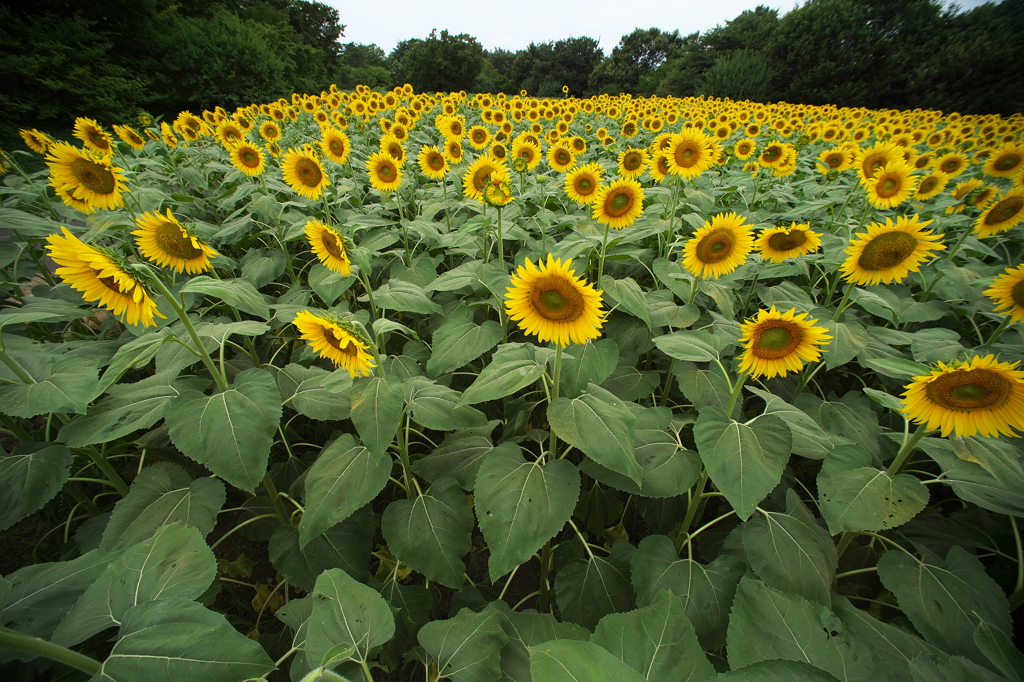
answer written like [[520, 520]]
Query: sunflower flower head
[[341, 341], [583, 182], [778, 244], [619, 203], [719, 247], [498, 191], [1004, 213], [165, 241], [979, 396], [552, 303], [483, 170], [85, 177], [248, 158], [892, 184], [432, 162], [385, 172], [1007, 292], [93, 136], [690, 153], [777, 343], [888, 252], [35, 140], [304, 173]]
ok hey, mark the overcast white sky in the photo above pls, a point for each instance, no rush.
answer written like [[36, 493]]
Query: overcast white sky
[[514, 24]]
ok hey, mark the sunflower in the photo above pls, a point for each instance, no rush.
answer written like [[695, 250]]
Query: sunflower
[[961, 192], [526, 150], [166, 242], [869, 160], [390, 145], [888, 252], [86, 177], [1006, 161], [931, 185], [453, 127], [835, 159], [744, 149], [130, 136], [304, 173], [497, 191], [167, 135], [101, 278], [432, 162], [479, 136], [952, 164], [229, 134], [619, 203], [1002, 215], [690, 154], [479, 174], [560, 157], [778, 244], [892, 184], [385, 174], [453, 152], [777, 343], [270, 131], [979, 396], [659, 167], [581, 183], [719, 247], [94, 137], [330, 246], [248, 158], [338, 341], [632, 162], [551, 302], [335, 144], [35, 140], [1007, 292]]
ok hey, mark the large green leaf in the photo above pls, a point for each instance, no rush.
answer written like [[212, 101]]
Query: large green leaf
[[703, 386], [691, 345], [377, 405], [431, 533], [791, 552], [945, 602], [261, 266], [809, 440], [855, 496], [525, 629], [343, 478], [707, 590], [437, 407], [346, 614], [776, 670], [657, 641], [316, 393], [520, 505], [133, 355], [602, 427], [459, 341], [985, 471], [29, 478], [745, 460], [327, 284], [230, 432], [589, 590], [590, 363], [467, 647], [128, 408], [767, 624], [62, 384], [1000, 651], [238, 293], [178, 639], [345, 545], [405, 296], [513, 366], [163, 493], [851, 417], [174, 562], [566, 660], [848, 339], [457, 457], [627, 295]]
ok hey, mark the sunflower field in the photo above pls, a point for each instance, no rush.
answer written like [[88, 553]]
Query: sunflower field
[[397, 386]]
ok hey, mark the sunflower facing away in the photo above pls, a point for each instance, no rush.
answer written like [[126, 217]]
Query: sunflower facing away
[[166, 242], [892, 184], [619, 203], [778, 244], [777, 343], [248, 158], [551, 302], [980, 396], [719, 247], [304, 173], [432, 162], [888, 252], [582, 183], [330, 247], [1002, 215], [337, 341], [100, 278], [385, 175], [1007, 292], [87, 178]]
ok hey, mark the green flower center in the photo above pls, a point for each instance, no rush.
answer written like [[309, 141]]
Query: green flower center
[[556, 299]]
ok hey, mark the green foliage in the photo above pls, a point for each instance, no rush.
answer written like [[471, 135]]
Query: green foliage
[[441, 62]]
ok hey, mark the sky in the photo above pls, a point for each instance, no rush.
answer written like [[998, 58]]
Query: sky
[[514, 24]]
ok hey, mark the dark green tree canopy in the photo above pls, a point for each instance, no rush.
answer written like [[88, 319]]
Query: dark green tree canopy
[[442, 62]]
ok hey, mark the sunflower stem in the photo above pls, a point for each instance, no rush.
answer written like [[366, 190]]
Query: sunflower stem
[[1019, 587], [908, 447], [14, 365], [959, 243], [14, 640], [447, 216], [696, 497], [545, 569], [842, 303], [805, 379], [501, 244], [1007, 320], [16, 429], [750, 293], [693, 290], [108, 470], [734, 396], [604, 249], [411, 489], [555, 379], [275, 497]]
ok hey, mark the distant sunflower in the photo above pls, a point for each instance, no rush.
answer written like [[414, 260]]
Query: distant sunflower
[[166, 242], [270, 131], [229, 134], [554, 304], [35, 140], [1005, 213], [560, 157], [453, 127], [337, 341], [304, 173], [719, 247], [931, 185], [776, 343], [453, 152], [86, 177], [130, 136], [690, 154], [99, 277], [619, 203], [952, 164], [385, 174], [95, 138], [744, 149], [1006, 161], [432, 162], [497, 191], [479, 173], [835, 159], [659, 167], [892, 184], [335, 144], [888, 252], [330, 246], [777, 244], [248, 158], [961, 192], [979, 396], [582, 183], [391, 145], [632, 162], [167, 135], [528, 151], [479, 136]]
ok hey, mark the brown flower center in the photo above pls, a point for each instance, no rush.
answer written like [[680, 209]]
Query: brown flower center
[[337, 146], [94, 176], [618, 203], [481, 176], [928, 184], [174, 241], [584, 186], [1017, 294], [309, 172], [1004, 211], [950, 165], [787, 241], [971, 389], [111, 283], [716, 246], [775, 339], [250, 158], [554, 298], [887, 250], [98, 139], [563, 157], [330, 243], [632, 161], [350, 349], [1007, 162]]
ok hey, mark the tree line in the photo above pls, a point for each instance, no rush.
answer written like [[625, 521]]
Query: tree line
[[110, 58]]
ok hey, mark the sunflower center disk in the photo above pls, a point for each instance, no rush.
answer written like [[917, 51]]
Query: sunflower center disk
[[888, 187], [716, 246], [111, 283], [1004, 210], [1006, 163], [308, 173], [1017, 294], [584, 185], [93, 176], [331, 244], [249, 158], [927, 185], [782, 241], [969, 390], [174, 241], [776, 342], [631, 162], [887, 250], [619, 204], [554, 300]]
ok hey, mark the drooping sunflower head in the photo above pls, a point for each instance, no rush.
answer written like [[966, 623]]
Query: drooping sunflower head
[[340, 341], [931, 185], [560, 157], [1006, 212], [892, 184], [480, 172], [552, 303], [35, 140], [100, 277], [777, 244], [248, 158], [330, 246], [165, 241], [632, 162], [1006, 161], [691, 153], [1007, 292], [130, 136], [888, 252], [719, 247], [979, 396], [86, 177], [304, 173], [582, 183], [776, 343], [432, 162], [93, 136], [619, 203], [335, 144], [385, 173]]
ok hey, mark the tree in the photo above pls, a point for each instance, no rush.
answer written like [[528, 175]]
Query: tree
[[635, 60], [361, 64], [443, 62], [739, 75], [542, 69]]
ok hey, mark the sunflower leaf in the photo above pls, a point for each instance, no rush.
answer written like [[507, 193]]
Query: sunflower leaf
[[600, 425], [347, 613], [238, 293], [459, 341], [589, 590], [467, 648], [29, 478], [513, 366], [567, 660], [62, 384], [377, 407]]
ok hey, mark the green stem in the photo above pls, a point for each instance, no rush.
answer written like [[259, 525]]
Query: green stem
[[737, 390], [545, 568], [82, 498], [101, 461], [275, 497], [1020, 556], [844, 541], [956, 247], [805, 379], [842, 303], [501, 243], [17, 430], [12, 639], [907, 449], [696, 496], [604, 249], [1007, 320], [447, 217], [403, 452], [693, 291], [553, 442], [13, 365]]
